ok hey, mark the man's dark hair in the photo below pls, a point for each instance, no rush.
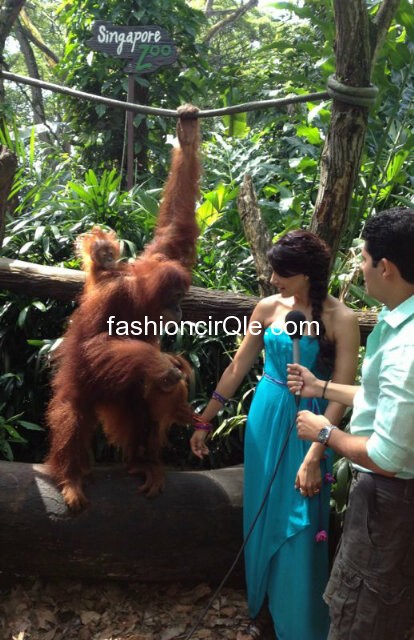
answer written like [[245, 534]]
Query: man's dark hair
[[390, 234]]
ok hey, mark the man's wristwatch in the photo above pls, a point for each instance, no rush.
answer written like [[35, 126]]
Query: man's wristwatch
[[325, 433]]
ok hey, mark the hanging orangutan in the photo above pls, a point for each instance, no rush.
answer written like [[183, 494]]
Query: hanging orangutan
[[126, 383]]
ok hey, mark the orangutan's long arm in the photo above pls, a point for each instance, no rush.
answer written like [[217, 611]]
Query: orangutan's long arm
[[176, 231]]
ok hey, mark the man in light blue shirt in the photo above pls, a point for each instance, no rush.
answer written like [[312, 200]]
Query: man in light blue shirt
[[371, 589], [384, 409]]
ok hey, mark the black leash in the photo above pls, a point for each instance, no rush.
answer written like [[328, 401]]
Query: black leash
[[245, 541]]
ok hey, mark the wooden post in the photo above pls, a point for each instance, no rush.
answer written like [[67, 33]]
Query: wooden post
[[130, 133]]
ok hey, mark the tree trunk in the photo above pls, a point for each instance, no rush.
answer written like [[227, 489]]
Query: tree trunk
[[39, 116], [8, 164], [341, 156], [199, 304], [257, 234], [34, 37], [9, 10], [191, 532]]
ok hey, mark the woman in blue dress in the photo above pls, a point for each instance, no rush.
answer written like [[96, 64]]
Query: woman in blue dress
[[286, 556]]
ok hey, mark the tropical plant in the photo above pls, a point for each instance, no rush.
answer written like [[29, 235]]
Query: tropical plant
[[62, 190], [98, 131], [10, 431]]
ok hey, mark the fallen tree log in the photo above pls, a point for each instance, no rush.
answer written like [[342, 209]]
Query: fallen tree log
[[66, 284], [199, 304], [189, 533]]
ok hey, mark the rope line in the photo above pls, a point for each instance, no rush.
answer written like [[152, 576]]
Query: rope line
[[359, 96], [169, 113]]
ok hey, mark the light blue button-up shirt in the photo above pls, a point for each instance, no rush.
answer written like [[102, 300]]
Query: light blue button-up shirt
[[384, 406]]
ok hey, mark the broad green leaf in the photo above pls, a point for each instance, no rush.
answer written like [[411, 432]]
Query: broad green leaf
[[80, 191], [236, 125], [100, 109], [25, 248], [13, 433], [6, 450], [312, 134], [30, 426], [39, 305], [39, 232], [22, 317], [206, 215]]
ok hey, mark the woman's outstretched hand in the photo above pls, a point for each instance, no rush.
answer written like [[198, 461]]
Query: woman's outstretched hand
[[198, 445], [301, 380]]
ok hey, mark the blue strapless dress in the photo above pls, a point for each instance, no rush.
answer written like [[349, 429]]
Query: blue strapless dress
[[283, 559]]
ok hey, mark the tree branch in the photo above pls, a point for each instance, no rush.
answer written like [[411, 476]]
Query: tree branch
[[39, 116], [34, 37], [381, 24], [232, 18], [41, 46], [257, 234], [9, 10]]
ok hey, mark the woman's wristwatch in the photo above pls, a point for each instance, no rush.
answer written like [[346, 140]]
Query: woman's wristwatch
[[325, 433]]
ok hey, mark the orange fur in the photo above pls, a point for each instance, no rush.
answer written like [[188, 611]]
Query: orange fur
[[134, 389]]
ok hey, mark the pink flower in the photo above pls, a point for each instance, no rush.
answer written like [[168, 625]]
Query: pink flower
[[321, 536], [329, 478]]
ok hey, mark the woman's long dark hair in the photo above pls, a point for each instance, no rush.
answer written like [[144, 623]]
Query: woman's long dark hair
[[302, 252]]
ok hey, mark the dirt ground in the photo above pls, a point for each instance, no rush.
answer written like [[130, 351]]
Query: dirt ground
[[37, 609]]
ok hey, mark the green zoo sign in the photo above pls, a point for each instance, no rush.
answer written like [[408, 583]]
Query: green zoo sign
[[146, 48]]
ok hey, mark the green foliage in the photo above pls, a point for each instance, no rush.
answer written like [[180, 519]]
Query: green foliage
[[386, 176], [23, 387], [209, 356], [39, 21], [99, 130], [62, 190], [10, 429]]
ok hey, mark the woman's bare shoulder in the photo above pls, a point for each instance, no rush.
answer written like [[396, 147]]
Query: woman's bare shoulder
[[266, 308], [269, 302], [340, 315]]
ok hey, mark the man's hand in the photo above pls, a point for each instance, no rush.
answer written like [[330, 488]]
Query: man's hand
[[301, 379], [309, 424]]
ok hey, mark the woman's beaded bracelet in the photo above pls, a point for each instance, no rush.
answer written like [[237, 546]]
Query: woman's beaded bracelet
[[203, 426], [217, 396]]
